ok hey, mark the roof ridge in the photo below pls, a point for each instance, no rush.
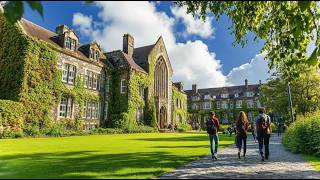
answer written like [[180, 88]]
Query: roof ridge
[[38, 26]]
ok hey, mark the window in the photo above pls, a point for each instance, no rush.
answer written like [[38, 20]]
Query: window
[[224, 95], [258, 104], [207, 97], [91, 53], [224, 105], [214, 97], [68, 73], [250, 94], [65, 109], [123, 86], [92, 80], [206, 105], [194, 106], [139, 113], [141, 92], [91, 110], [250, 103], [70, 43], [238, 104], [236, 95], [218, 105], [107, 83], [97, 55], [231, 105], [195, 98]]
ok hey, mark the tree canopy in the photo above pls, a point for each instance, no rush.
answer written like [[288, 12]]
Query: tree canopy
[[286, 26]]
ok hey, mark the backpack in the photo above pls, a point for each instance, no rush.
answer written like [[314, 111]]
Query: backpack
[[211, 127], [263, 125]]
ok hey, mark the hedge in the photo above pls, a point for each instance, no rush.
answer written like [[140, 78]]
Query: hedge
[[303, 135]]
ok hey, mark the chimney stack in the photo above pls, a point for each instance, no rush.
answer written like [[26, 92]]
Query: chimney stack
[[260, 82], [246, 83], [194, 88], [61, 29], [128, 44]]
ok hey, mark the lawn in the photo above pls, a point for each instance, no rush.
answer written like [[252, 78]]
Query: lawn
[[313, 160], [102, 156]]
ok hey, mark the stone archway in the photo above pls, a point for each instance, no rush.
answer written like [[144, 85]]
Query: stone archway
[[163, 117]]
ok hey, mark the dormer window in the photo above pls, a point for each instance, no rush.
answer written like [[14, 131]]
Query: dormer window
[[97, 55], [91, 53], [70, 43]]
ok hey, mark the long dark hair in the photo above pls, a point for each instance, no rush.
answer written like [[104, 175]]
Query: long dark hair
[[242, 119]]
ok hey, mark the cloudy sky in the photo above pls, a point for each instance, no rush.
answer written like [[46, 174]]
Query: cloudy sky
[[200, 52]]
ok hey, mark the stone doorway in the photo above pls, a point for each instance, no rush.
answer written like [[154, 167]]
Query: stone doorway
[[163, 117]]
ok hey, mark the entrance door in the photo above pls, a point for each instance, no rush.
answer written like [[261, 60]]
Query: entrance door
[[163, 117]]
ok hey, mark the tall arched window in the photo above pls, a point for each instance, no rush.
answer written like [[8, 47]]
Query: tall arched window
[[161, 79]]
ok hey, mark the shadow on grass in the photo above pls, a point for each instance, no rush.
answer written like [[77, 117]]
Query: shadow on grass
[[88, 164]]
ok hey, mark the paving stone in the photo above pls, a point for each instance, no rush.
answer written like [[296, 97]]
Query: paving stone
[[282, 164]]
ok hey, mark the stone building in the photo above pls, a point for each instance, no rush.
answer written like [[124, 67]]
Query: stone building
[[227, 102], [134, 83]]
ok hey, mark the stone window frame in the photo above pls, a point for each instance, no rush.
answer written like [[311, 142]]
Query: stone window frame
[[207, 105], [224, 95], [70, 43], [218, 104], [66, 107], [91, 110], [92, 80], [69, 73], [250, 103], [207, 97], [238, 104], [224, 105], [123, 86]]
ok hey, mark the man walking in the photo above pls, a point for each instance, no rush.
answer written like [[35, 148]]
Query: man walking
[[212, 129], [263, 129]]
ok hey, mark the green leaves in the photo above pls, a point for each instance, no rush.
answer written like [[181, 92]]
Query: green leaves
[[88, 2], [36, 6], [13, 10], [303, 5], [313, 59]]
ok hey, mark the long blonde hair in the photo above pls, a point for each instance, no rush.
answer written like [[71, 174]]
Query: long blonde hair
[[242, 118]]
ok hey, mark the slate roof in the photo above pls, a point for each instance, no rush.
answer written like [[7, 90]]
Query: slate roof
[[140, 55], [231, 90], [41, 33]]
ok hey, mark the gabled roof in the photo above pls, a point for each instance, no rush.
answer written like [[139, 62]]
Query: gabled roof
[[50, 37], [140, 55], [132, 63]]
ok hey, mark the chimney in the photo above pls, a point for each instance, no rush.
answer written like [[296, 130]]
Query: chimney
[[128, 44], [194, 88], [61, 29], [246, 83], [260, 82]]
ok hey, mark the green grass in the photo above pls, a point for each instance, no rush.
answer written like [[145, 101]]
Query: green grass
[[313, 160], [103, 156]]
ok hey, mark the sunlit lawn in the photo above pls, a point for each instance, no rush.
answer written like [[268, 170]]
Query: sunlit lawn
[[313, 160], [104, 156]]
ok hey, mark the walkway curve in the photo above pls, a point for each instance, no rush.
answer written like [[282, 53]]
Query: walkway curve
[[281, 165]]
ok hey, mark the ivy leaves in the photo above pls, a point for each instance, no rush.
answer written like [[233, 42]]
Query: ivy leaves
[[287, 27], [13, 10]]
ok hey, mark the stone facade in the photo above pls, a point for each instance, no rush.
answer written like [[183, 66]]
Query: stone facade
[[227, 102], [96, 70]]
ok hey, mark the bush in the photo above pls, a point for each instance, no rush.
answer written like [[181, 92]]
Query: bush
[[184, 127], [140, 129], [106, 131], [303, 135], [32, 130], [16, 133]]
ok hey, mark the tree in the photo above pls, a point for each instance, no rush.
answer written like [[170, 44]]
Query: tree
[[286, 27], [13, 10], [305, 92]]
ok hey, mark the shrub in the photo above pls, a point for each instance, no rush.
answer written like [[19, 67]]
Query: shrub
[[32, 130], [106, 131], [16, 133], [303, 135], [184, 127], [140, 129]]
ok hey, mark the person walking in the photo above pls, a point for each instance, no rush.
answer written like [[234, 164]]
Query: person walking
[[263, 129], [279, 129], [242, 126], [253, 132], [212, 129]]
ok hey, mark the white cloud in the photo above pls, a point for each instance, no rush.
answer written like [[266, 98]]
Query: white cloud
[[192, 62], [254, 71], [83, 22], [194, 25]]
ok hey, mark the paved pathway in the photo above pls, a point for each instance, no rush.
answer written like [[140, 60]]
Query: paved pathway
[[281, 165]]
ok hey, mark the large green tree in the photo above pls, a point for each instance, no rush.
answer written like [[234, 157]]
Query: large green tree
[[305, 92], [286, 26]]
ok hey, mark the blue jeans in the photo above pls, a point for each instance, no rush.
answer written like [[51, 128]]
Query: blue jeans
[[263, 139], [216, 143]]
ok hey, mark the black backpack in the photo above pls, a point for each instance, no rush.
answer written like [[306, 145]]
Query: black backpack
[[210, 126]]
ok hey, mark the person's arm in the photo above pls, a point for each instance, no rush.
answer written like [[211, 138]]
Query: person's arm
[[218, 125]]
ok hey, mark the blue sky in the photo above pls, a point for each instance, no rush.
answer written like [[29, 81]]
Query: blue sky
[[220, 42]]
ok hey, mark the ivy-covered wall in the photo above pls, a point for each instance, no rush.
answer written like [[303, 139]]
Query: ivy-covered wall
[[29, 74], [182, 112]]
